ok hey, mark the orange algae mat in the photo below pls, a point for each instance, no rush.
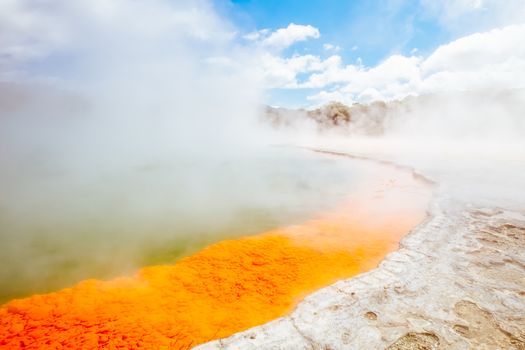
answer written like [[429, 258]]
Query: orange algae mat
[[223, 289]]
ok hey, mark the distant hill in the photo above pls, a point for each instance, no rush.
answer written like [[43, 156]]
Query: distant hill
[[378, 117]]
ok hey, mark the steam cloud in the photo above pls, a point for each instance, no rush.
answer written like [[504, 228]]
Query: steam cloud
[[123, 125], [105, 105]]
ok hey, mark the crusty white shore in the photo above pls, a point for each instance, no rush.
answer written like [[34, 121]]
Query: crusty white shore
[[457, 282]]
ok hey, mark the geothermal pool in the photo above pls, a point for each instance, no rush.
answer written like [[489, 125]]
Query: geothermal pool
[[286, 223], [60, 225]]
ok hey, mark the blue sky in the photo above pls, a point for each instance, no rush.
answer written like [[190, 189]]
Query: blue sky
[[300, 53], [364, 30], [377, 28], [385, 49]]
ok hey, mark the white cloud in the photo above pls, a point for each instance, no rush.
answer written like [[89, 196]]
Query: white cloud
[[395, 68], [448, 10], [478, 50], [285, 37], [494, 59], [331, 47], [278, 72], [474, 15], [275, 71], [32, 30], [324, 97], [26, 34], [156, 76], [254, 36]]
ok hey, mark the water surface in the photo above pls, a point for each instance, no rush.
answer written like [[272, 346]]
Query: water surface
[[60, 225]]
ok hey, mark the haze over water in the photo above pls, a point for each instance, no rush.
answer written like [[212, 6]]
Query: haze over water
[[58, 229]]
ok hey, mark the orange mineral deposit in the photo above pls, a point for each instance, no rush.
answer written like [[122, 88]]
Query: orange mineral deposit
[[225, 288]]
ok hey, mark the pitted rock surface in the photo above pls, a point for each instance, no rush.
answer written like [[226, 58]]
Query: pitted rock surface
[[457, 282]]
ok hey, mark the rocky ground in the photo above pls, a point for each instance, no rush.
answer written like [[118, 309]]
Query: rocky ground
[[457, 282]]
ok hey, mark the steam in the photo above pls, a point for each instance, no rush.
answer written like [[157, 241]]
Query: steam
[[130, 136], [146, 75], [471, 142], [126, 128], [131, 126]]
